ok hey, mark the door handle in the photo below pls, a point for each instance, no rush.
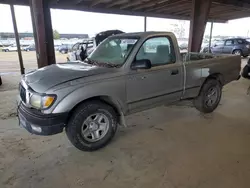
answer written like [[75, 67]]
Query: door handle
[[174, 72]]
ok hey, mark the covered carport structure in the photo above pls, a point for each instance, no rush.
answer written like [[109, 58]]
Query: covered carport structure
[[199, 12]]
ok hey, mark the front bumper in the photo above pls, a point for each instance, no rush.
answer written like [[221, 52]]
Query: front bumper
[[41, 124]]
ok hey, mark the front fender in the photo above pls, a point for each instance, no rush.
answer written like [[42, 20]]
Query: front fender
[[114, 90]]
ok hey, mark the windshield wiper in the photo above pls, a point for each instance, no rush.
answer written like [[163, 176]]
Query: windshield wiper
[[104, 64]]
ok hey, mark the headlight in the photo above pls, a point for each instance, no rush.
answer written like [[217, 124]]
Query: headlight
[[36, 101], [42, 102]]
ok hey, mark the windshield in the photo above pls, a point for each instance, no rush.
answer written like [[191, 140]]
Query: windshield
[[113, 51]]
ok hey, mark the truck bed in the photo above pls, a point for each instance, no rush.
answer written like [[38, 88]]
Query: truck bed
[[200, 66]]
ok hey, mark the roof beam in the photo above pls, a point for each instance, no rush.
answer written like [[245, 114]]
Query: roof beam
[[77, 1], [131, 4], [126, 8], [184, 12], [97, 2], [117, 2], [174, 5], [228, 13], [145, 5], [238, 3], [166, 4], [151, 3], [233, 3]]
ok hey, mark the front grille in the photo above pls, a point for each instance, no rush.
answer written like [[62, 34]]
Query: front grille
[[23, 93]]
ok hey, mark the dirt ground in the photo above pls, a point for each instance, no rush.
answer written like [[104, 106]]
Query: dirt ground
[[170, 147]]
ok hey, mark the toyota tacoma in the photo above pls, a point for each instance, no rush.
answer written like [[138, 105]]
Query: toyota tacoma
[[126, 73]]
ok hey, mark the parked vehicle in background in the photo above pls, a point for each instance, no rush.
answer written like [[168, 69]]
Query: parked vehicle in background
[[237, 46], [125, 74], [105, 34], [64, 49], [183, 46], [24, 46], [30, 48], [11, 48], [56, 47], [86, 47], [205, 46], [80, 50]]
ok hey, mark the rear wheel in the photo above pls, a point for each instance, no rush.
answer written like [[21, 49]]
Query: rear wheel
[[6, 50], [209, 97], [92, 126], [237, 52]]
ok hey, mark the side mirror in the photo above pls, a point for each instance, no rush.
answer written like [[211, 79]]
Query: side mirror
[[141, 64]]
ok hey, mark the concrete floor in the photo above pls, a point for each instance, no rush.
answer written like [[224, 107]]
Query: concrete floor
[[170, 147]]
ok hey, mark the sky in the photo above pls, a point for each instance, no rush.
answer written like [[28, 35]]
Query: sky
[[69, 21]]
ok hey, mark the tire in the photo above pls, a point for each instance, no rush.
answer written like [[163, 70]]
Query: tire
[[202, 103], [80, 134], [1, 81], [63, 52], [7, 50], [27, 50], [245, 56], [237, 52]]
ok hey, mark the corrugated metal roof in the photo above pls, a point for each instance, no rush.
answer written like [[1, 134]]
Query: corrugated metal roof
[[221, 10]]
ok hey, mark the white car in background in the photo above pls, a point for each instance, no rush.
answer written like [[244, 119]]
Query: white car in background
[[11, 48]]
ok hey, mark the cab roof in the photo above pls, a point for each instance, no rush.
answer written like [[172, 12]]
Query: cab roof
[[143, 34]]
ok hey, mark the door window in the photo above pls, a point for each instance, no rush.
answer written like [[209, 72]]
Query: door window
[[241, 41], [76, 47], [219, 44], [159, 50], [229, 43]]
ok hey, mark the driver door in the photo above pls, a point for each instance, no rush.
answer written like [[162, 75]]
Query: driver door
[[163, 83], [229, 46], [218, 47]]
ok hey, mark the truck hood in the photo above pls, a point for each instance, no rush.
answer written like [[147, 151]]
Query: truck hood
[[45, 78]]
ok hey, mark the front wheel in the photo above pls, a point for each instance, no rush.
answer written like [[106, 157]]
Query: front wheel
[[209, 97], [92, 126]]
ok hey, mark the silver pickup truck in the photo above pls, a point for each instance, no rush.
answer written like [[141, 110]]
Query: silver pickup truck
[[127, 73]]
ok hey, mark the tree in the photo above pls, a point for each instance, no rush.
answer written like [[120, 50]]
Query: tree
[[178, 29], [56, 34]]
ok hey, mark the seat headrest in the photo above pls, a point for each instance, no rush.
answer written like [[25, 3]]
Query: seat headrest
[[163, 49], [129, 46]]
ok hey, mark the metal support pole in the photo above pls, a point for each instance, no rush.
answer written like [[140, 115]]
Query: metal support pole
[[17, 39], [199, 17], [210, 37], [34, 31], [43, 33], [145, 23]]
